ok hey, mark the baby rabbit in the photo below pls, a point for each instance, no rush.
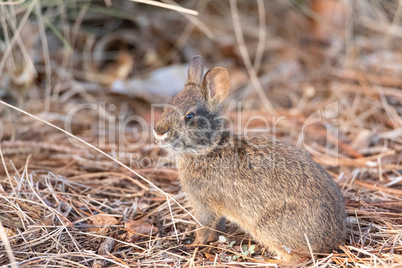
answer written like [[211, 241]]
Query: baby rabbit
[[272, 190]]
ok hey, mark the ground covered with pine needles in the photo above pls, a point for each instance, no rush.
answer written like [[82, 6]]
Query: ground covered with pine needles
[[330, 70]]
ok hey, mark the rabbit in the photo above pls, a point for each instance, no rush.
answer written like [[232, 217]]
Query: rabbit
[[275, 192]]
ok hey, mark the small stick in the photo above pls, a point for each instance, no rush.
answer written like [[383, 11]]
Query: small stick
[[171, 7], [310, 249], [6, 244]]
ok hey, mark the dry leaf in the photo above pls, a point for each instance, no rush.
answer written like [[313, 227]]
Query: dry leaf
[[9, 232], [136, 228], [104, 249], [210, 257], [102, 221]]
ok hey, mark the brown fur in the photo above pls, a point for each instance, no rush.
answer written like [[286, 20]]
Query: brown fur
[[273, 190]]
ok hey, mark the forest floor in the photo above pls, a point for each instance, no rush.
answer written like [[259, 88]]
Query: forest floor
[[325, 76]]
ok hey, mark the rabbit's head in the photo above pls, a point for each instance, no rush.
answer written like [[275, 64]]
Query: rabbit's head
[[192, 122]]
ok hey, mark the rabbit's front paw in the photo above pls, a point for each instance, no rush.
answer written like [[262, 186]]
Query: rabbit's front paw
[[202, 236]]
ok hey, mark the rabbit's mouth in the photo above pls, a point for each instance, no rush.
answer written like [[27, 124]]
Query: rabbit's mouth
[[181, 147], [184, 145], [163, 144], [164, 141], [175, 145]]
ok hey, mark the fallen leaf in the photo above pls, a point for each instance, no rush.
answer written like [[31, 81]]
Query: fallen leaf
[[9, 232], [101, 221], [210, 257], [136, 228], [106, 247]]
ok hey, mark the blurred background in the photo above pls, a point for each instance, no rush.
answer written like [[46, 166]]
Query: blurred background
[[324, 75]]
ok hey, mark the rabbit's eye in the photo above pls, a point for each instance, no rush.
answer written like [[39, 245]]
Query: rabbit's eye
[[189, 116]]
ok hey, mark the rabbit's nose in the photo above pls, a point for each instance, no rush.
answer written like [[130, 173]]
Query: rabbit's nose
[[159, 137]]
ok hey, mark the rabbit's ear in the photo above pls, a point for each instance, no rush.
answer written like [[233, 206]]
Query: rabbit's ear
[[196, 70], [216, 84]]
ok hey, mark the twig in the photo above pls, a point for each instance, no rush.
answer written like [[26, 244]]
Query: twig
[[262, 35], [374, 186], [171, 7], [6, 244], [15, 38], [310, 249], [11, 3], [246, 57], [7, 174], [46, 56]]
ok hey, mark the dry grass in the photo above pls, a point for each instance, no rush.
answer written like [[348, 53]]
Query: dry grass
[[63, 203]]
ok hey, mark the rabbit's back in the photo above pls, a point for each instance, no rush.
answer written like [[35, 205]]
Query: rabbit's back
[[271, 189]]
